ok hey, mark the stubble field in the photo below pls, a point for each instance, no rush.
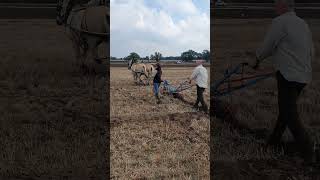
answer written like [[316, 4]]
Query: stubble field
[[239, 153], [53, 118], [156, 141]]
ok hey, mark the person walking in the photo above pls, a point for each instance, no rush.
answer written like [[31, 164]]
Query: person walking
[[289, 44], [156, 82], [200, 76]]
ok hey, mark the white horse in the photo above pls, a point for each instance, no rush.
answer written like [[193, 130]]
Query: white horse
[[150, 69], [138, 70], [141, 69], [87, 26]]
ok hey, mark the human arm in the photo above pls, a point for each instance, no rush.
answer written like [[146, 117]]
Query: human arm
[[272, 39], [194, 75]]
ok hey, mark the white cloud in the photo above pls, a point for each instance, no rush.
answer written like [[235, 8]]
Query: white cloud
[[145, 29], [184, 7]]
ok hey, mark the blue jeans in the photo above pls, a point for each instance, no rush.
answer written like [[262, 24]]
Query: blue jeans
[[156, 88]]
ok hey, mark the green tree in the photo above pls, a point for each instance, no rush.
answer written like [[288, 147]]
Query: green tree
[[147, 58], [189, 55], [206, 55], [152, 57], [157, 56], [133, 56]]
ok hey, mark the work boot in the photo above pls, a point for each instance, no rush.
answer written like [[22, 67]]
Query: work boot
[[195, 107], [205, 109], [158, 99]]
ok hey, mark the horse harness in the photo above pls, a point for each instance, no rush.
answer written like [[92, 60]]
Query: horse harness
[[84, 26]]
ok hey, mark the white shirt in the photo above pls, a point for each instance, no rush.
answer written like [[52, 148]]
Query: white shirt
[[200, 75], [289, 42]]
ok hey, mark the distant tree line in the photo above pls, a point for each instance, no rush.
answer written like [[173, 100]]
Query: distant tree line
[[193, 55], [186, 56]]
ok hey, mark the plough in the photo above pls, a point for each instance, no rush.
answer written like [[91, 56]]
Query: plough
[[175, 91], [228, 84], [168, 88], [224, 86], [234, 79]]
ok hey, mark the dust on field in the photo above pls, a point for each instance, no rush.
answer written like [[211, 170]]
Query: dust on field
[[240, 153], [152, 141], [53, 118]]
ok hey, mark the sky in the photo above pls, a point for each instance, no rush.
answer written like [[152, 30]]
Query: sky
[[166, 26]]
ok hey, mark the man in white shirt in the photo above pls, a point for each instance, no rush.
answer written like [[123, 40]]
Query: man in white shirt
[[289, 44], [200, 76]]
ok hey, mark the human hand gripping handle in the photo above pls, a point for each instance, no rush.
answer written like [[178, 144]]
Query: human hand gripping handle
[[254, 64]]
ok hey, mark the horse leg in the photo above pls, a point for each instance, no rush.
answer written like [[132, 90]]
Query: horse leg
[[76, 48], [135, 77], [95, 52], [92, 54], [149, 78], [83, 62], [81, 51], [95, 55], [86, 55]]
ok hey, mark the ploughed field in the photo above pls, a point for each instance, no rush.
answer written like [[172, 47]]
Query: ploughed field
[[239, 152], [156, 141]]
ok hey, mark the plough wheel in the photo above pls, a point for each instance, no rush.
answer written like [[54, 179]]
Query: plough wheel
[[178, 96], [161, 90]]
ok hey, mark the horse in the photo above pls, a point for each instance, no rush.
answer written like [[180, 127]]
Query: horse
[[86, 25], [138, 69], [150, 69]]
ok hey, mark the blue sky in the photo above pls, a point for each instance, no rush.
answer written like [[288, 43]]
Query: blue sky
[[167, 26]]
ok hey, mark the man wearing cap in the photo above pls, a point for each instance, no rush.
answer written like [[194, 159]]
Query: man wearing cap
[[289, 44], [200, 76]]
